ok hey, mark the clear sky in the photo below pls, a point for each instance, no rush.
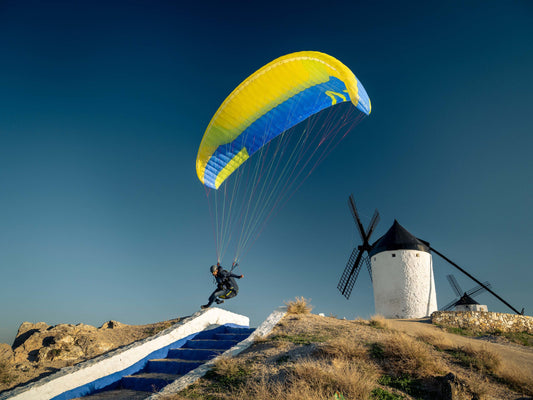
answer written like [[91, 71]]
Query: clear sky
[[103, 105]]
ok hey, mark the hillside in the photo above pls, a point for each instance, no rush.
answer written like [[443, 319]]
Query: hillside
[[307, 356], [312, 357]]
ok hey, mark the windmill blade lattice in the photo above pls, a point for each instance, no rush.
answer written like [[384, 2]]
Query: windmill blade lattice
[[355, 215], [479, 289], [353, 267], [449, 305], [350, 273], [373, 223], [455, 285], [368, 266]]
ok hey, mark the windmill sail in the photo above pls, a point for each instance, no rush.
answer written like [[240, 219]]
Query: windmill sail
[[350, 273], [353, 267], [464, 298]]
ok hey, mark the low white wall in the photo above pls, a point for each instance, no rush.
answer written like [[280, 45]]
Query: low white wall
[[118, 360]]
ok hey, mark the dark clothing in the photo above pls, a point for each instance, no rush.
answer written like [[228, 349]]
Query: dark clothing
[[226, 286], [225, 280]]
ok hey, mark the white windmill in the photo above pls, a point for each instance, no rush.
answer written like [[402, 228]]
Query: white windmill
[[401, 269], [402, 275]]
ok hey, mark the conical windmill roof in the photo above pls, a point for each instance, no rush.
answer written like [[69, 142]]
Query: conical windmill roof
[[466, 300], [398, 238]]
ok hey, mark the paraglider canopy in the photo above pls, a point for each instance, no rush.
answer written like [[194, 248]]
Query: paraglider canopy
[[268, 136], [276, 97]]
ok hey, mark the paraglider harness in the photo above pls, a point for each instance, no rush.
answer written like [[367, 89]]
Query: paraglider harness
[[232, 293], [229, 284]]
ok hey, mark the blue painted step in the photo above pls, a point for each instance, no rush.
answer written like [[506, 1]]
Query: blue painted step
[[121, 394], [211, 334], [194, 354], [247, 331], [231, 336], [211, 344], [148, 382], [173, 366]]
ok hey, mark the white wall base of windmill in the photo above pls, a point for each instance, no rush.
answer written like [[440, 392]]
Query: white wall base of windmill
[[404, 286], [471, 307]]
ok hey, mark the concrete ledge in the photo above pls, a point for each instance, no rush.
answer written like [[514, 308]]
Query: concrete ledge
[[97, 373], [191, 377]]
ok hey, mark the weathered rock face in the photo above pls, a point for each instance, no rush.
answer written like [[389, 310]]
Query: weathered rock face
[[484, 321], [40, 342], [27, 329], [112, 325]]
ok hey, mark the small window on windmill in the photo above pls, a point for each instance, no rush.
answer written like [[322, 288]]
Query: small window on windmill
[[418, 254], [393, 254], [374, 258]]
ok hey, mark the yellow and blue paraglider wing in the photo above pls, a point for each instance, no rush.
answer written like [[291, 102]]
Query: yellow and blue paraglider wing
[[276, 97]]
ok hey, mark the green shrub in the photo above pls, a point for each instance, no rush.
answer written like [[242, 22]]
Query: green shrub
[[381, 394], [405, 383]]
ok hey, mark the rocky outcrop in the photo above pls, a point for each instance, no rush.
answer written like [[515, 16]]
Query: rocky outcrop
[[40, 342], [484, 321], [26, 330], [112, 325]]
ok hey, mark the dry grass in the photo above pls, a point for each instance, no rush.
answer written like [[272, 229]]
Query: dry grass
[[306, 379], [515, 377], [172, 397], [478, 386], [264, 390], [354, 380], [484, 360], [380, 322], [299, 306], [479, 357], [403, 354], [437, 339], [226, 366], [343, 347]]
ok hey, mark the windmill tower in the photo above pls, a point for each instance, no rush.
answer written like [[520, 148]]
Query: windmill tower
[[401, 270], [402, 275]]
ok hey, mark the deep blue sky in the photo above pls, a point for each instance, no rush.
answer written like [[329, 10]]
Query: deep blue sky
[[103, 106]]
